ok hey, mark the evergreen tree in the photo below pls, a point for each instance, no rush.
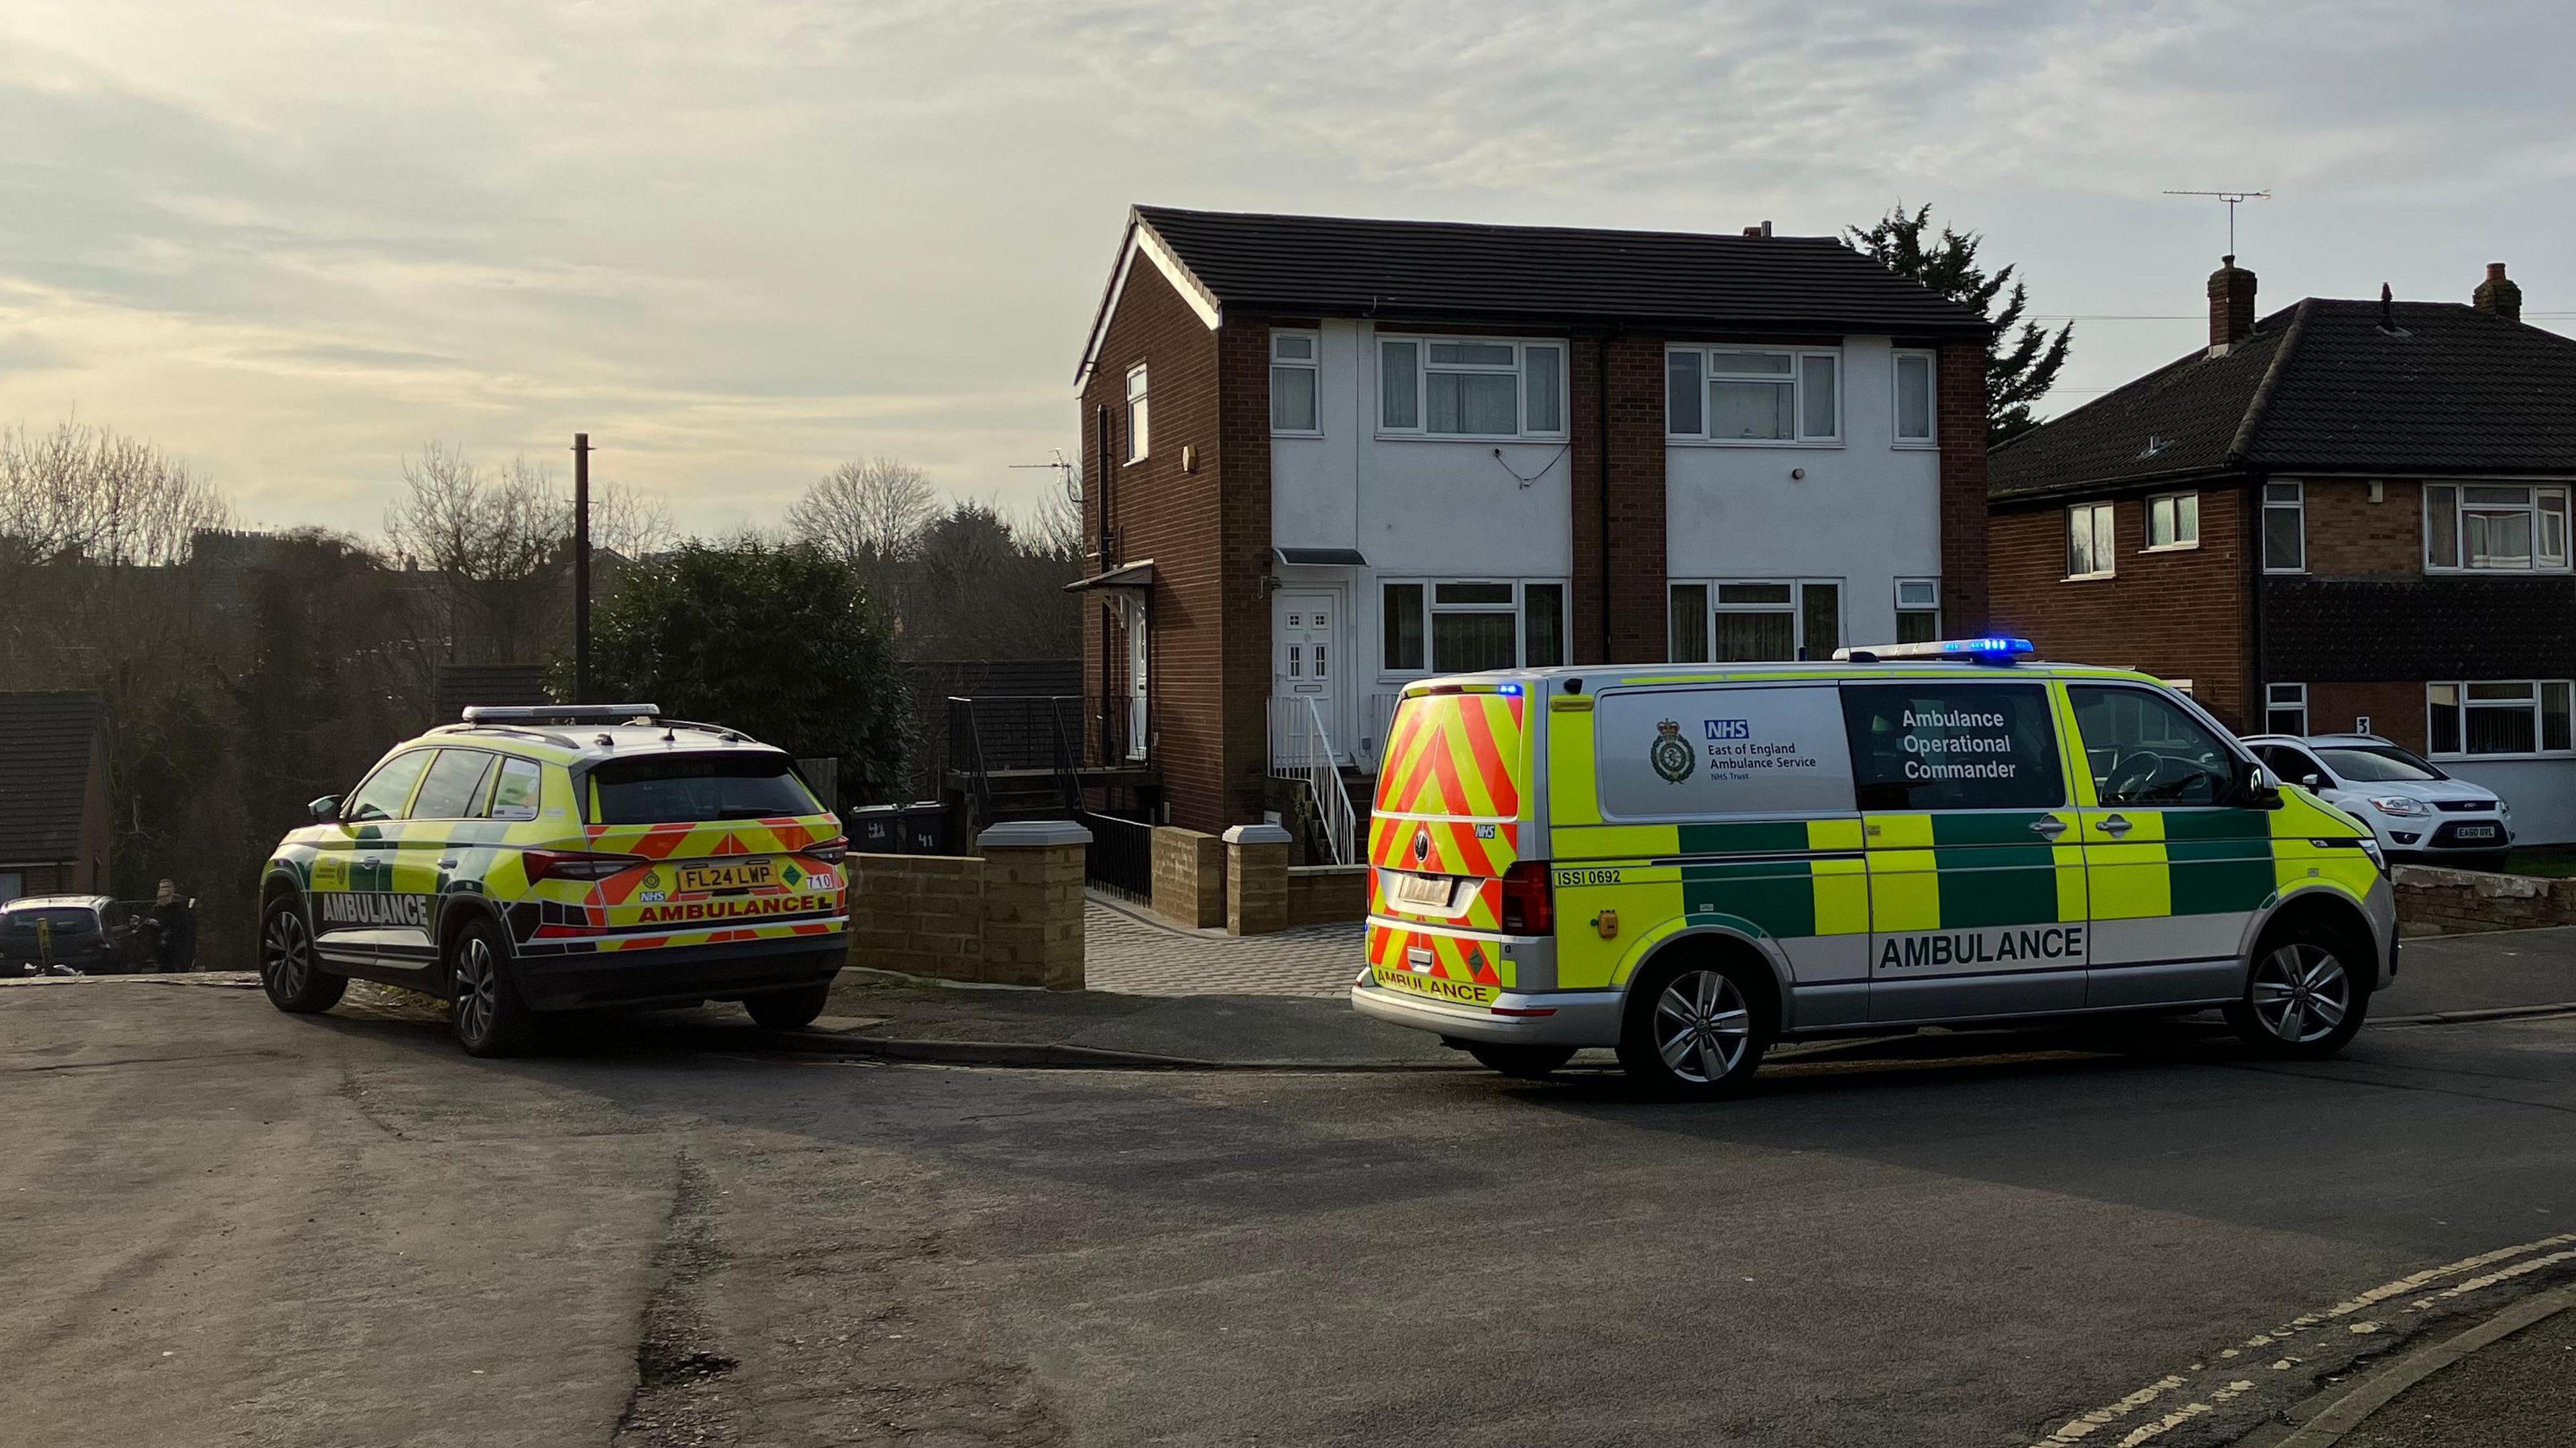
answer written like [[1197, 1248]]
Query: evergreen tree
[[2019, 368]]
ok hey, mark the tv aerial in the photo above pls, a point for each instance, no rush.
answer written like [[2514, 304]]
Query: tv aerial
[[1067, 475], [2233, 200]]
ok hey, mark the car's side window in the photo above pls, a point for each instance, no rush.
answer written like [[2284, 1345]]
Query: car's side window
[[2145, 749], [514, 794], [1943, 745], [387, 790], [454, 785]]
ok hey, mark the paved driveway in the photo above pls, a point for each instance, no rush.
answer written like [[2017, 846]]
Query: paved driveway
[[1128, 951]]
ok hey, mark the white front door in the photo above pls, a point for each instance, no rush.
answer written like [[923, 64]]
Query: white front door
[[1138, 655], [1306, 661]]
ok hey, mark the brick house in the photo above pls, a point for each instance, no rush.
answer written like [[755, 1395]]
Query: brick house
[[53, 794], [2348, 515], [1325, 455]]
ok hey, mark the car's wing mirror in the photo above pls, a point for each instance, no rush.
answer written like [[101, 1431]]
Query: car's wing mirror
[[2313, 783], [2254, 787], [325, 810]]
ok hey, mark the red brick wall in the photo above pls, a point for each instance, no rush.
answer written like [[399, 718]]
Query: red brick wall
[[1243, 382], [2350, 536], [2396, 710], [2179, 615], [1961, 426], [1172, 517]]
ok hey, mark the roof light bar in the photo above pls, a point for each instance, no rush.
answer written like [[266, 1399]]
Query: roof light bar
[[559, 713], [1975, 651]]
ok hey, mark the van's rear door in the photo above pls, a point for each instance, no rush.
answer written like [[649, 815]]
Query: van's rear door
[[1452, 806]]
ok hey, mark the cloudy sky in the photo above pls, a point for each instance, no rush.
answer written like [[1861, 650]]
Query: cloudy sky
[[737, 241]]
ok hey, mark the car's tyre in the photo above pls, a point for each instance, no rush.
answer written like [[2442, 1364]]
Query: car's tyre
[[2305, 994], [1529, 1063], [486, 1011], [1696, 1026], [785, 1010], [290, 969]]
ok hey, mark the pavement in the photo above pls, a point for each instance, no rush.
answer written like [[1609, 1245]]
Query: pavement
[[228, 1225]]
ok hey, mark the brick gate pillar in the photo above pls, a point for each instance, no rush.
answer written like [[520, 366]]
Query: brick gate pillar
[[1256, 879], [1033, 902]]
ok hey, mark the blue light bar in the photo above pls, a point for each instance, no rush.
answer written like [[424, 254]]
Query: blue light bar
[[1513, 690], [1975, 651]]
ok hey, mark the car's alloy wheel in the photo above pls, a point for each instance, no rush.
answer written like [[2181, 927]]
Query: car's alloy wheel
[[286, 954], [1702, 1026], [2301, 993], [478, 988], [289, 968]]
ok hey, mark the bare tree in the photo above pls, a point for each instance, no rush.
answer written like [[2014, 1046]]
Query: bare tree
[[871, 513], [460, 521], [87, 493]]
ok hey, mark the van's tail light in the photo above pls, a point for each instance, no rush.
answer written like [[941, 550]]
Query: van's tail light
[[831, 851], [1529, 899], [577, 865]]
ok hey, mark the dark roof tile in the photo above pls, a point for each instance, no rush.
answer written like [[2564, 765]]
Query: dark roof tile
[[45, 745]]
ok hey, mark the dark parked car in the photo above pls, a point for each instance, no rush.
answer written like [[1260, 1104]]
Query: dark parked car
[[91, 934]]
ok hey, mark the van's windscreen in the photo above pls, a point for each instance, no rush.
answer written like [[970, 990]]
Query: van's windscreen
[[685, 789]]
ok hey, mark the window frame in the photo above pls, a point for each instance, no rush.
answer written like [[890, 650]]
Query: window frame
[[1432, 608], [1312, 363], [1903, 608], [1138, 414], [2462, 705], [2274, 702], [1795, 377], [1931, 439], [2178, 544], [2296, 503], [1713, 605], [2109, 557], [2531, 508], [428, 756], [1518, 371]]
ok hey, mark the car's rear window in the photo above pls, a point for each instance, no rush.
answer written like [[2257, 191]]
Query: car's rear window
[[59, 920], [682, 789]]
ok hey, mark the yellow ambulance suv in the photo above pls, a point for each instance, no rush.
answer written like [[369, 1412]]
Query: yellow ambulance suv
[[554, 858], [1691, 864]]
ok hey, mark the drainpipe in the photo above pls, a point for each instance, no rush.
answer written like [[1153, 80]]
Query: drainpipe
[[1601, 419], [2258, 704]]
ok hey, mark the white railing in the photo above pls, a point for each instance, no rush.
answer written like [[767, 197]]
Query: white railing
[[1376, 723], [1301, 748]]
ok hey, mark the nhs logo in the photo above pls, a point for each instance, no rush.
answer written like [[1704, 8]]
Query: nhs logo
[[1719, 729]]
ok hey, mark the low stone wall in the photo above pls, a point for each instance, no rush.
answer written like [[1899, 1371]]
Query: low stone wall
[[919, 914], [1011, 916], [1189, 878], [2432, 901], [1327, 894]]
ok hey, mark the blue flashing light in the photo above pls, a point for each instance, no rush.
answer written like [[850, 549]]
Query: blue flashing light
[[1975, 651], [1513, 690]]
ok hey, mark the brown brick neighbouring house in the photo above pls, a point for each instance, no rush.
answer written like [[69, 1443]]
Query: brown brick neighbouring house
[[2345, 515]]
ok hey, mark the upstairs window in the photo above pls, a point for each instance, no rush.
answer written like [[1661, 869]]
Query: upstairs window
[[1914, 399], [1295, 367], [2173, 521], [1471, 387], [2285, 528], [2089, 545], [1754, 620], [1136, 413], [2485, 527], [1739, 395]]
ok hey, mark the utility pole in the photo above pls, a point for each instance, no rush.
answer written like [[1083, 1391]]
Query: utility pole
[[581, 568]]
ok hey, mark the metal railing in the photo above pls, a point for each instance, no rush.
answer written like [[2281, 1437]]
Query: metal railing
[[1036, 737], [1377, 721], [1120, 858], [1301, 750]]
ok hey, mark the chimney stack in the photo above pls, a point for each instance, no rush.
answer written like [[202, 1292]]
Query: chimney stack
[[2498, 295], [2231, 306]]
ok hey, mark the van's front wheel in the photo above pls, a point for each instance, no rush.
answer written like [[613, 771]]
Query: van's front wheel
[[1526, 1062], [1695, 1028], [2306, 994]]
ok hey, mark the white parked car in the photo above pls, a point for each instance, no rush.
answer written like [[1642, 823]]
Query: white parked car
[[2418, 812]]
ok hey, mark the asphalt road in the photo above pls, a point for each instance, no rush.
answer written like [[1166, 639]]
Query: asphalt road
[[226, 1226]]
